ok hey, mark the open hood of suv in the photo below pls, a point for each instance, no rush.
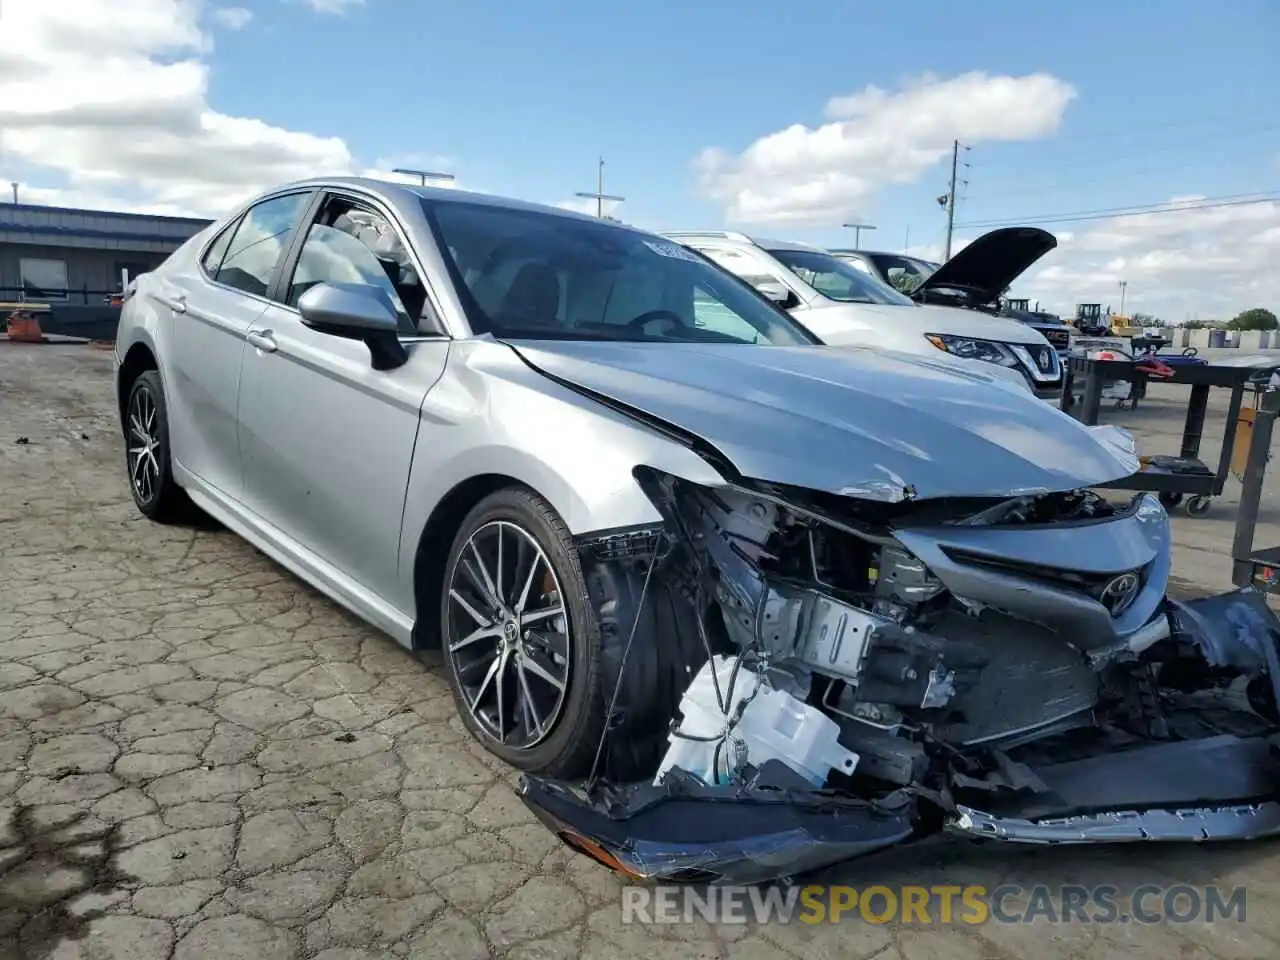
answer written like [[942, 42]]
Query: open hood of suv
[[986, 268]]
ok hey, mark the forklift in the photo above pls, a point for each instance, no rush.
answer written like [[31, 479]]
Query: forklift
[[1089, 320]]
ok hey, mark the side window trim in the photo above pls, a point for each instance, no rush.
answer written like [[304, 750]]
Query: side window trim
[[430, 319], [235, 225], [289, 262], [226, 233]]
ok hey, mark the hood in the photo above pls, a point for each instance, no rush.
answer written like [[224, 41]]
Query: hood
[[990, 264], [851, 422], [842, 323]]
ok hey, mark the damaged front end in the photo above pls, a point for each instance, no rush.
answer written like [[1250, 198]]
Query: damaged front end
[[875, 672]]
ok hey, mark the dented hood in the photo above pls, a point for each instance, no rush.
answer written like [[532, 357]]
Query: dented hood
[[847, 421]]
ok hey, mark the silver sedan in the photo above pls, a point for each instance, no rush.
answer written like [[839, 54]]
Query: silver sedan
[[592, 468]]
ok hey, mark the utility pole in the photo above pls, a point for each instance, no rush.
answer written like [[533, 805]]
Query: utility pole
[[1124, 285], [857, 229], [906, 241], [600, 196], [15, 191], [948, 200], [951, 198]]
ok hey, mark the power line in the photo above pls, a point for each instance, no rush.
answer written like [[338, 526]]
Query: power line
[[1208, 203]]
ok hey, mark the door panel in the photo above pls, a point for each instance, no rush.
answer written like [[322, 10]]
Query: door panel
[[213, 306], [204, 379], [327, 442]]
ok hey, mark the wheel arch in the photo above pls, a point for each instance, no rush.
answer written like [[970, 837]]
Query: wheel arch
[[431, 553], [137, 360]]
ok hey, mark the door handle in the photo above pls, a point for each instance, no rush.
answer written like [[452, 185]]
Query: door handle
[[178, 304], [263, 340]]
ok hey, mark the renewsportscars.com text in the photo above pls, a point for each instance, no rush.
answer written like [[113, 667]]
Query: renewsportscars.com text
[[939, 904]]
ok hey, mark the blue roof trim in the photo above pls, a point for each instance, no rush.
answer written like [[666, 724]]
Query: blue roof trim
[[119, 235], [120, 214]]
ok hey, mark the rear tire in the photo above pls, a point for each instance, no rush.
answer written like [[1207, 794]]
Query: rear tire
[[148, 466]]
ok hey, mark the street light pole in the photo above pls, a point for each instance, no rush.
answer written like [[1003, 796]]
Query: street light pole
[[600, 196], [857, 229], [423, 175]]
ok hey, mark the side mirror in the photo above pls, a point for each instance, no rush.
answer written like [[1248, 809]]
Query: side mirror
[[356, 311], [776, 292]]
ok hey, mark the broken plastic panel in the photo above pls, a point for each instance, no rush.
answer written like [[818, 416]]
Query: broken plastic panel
[[685, 831], [733, 718]]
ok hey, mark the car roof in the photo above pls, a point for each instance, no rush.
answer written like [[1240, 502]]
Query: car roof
[[392, 191]]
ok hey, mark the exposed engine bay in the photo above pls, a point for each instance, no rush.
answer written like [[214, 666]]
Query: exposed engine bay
[[871, 673]]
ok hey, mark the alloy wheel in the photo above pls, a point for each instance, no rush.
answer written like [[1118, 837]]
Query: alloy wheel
[[508, 639], [144, 445]]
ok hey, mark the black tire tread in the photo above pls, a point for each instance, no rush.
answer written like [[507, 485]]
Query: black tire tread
[[171, 505]]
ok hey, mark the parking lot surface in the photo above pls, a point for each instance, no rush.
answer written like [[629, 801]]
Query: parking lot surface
[[202, 757]]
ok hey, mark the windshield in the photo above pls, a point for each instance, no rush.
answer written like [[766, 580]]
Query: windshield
[[838, 280], [536, 275], [905, 273]]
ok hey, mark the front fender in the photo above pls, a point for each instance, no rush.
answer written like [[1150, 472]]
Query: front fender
[[492, 414]]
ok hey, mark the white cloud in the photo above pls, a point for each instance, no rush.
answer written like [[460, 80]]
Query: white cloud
[[875, 138], [588, 205], [233, 18], [1213, 262], [333, 7], [106, 106]]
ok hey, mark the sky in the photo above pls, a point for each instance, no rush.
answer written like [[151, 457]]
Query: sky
[[1120, 127]]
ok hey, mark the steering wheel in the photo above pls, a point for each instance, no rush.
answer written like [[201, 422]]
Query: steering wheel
[[1190, 352], [651, 315]]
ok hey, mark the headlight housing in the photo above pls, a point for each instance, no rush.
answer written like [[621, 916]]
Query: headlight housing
[[992, 351]]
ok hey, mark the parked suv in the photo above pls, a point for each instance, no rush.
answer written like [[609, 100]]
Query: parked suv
[[846, 306], [976, 278]]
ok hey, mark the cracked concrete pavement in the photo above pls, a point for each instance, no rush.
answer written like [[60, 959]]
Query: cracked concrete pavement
[[202, 757]]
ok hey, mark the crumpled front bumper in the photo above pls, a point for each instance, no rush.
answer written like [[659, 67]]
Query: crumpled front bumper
[[1221, 787], [686, 832]]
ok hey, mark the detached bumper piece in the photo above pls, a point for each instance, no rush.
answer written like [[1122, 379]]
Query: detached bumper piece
[[1218, 788], [687, 832], [1249, 822]]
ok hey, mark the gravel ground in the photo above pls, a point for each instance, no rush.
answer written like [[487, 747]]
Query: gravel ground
[[202, 757]]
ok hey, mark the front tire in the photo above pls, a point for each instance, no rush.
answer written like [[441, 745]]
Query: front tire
[[147, 458], [520, 644]]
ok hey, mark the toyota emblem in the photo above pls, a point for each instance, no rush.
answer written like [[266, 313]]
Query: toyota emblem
[[1120, 592]]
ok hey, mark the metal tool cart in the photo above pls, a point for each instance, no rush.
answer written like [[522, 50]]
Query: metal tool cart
[[1183, 479], [1259, 568]]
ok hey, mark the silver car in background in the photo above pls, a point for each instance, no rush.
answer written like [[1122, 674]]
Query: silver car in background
[[774, 603]]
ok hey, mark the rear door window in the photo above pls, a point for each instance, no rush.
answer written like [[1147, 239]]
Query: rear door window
[[254, 253]]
